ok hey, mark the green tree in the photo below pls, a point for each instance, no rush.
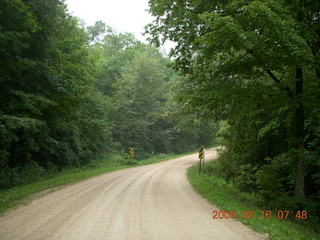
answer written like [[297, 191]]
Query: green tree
[[71, 92], [138, 97], [237, 54], [44, 80]]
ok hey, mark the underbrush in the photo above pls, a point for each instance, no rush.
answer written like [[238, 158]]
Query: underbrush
[[235, 193], [268, 184]]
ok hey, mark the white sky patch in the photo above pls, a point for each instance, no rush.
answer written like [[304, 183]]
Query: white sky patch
[[121, 15]]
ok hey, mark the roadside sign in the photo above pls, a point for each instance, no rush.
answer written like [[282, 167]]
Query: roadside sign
[[201, 153], [131, 152], [201, 157]]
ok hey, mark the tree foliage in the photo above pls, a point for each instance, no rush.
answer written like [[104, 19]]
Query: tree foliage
[[70, 92], [255, 65]]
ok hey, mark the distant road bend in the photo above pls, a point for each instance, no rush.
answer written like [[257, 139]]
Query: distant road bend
[[148, 202]]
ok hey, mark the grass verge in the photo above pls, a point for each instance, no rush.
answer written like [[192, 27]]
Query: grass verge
[[18, 195], [227, 197]]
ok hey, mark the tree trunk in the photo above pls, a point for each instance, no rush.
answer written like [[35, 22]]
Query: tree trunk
[[299, 134]]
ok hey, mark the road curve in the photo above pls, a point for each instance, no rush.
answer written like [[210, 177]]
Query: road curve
[[148, 202]]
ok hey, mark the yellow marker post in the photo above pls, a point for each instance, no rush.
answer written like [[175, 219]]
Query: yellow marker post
[[131, 152], [201, 157]]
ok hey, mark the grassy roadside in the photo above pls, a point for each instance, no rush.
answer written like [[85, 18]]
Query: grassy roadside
[[226, 197], [17, 195]]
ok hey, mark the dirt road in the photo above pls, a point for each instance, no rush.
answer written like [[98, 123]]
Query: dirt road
[[148, 202]]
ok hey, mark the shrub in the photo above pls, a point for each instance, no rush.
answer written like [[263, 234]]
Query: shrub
[[245, 179], [268, 181]]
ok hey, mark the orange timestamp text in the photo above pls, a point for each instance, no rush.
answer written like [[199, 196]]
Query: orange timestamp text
[[258, 214]]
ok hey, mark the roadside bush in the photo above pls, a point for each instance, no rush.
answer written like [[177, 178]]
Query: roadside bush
[[31, 172], [268, 182], [224, 166], [245, 179], [5, 178], [104, 160], [15, 176], [130, 161]]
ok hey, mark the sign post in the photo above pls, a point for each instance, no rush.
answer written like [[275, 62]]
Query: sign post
[[201, 157]]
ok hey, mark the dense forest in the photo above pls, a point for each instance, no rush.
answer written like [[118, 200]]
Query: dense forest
[[71, 92], [254, 67]]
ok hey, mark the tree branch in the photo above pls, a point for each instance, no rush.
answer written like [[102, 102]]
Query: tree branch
[[274, 78]]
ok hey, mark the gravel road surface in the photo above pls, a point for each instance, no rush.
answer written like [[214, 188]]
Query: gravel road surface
[[148, 202]]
